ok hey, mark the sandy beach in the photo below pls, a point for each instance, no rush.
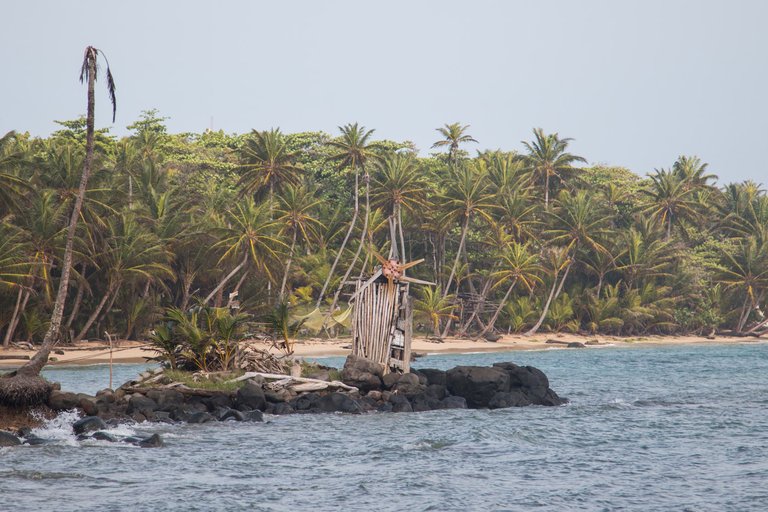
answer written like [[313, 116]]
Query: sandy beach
[[138, 352]]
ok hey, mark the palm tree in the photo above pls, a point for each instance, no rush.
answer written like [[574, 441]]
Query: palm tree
[[466, 195], [353, 149], [129, 252], [518, 266], [670, 200], [547, 158], [12, 187], [268, 162], [296, 214], [30, 388], [745, 269], [436, 306], [579, 222], [399, 185], [250, 234], [454, 134]]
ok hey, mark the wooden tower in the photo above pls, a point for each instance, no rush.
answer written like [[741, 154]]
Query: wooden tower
[[382, 316]]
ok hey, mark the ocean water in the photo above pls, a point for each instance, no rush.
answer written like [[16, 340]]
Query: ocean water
[[648, 428]]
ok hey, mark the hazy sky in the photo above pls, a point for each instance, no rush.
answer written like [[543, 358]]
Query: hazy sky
[[635, 83]]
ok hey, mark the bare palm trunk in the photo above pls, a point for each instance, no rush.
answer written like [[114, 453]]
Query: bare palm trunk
[[553, 294], [53, 334], [224, 281], [546, 191], [359, 247], [344, 243], [495, 316], [400, 232], [744, 314], [78, 301], [287, 267], [464, 229], [21, 303], [188, 279]]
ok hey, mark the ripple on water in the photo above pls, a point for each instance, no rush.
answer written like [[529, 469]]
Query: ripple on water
[[648, 429]]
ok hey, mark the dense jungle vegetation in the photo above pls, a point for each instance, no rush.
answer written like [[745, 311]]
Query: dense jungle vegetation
[[514, 241]]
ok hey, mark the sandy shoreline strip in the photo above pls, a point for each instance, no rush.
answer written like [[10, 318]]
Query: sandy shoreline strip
[[138, 352]]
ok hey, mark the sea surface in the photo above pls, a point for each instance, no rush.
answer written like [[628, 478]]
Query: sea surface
[[648, 428]]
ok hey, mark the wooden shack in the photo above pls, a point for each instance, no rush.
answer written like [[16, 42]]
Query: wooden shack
[[382, 315], [382, 323]]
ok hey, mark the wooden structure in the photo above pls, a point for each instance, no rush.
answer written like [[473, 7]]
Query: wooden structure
[[382, 325], [382, 315]]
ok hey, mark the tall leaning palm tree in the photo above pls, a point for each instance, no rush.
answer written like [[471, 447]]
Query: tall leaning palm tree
[[547, 158], [453, 135], [25, 386], [353, 150]]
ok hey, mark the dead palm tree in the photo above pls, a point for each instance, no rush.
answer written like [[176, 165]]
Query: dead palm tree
[[25, 386]]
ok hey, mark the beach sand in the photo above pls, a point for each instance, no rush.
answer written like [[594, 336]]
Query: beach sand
[[138, 352]]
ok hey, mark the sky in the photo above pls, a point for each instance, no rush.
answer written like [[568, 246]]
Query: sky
[[634, 83]]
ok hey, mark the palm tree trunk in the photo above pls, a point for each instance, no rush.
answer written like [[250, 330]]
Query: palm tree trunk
[[464, 229], [546, 191], [224, 281], [744, 314], [344, 243], [188, 279], [95, 313], [78, 301], [495, 316], [33, 367], [287, 267], [552, 295], [400, 232], [359, 247], [15, 317]]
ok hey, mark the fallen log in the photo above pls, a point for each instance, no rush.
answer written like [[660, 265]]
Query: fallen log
[[281, 377]]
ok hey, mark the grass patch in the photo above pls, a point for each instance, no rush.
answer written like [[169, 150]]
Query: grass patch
[[210, 382]]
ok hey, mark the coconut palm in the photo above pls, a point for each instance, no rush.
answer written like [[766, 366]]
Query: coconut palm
[[518, 265], [354, 150], [466, 195], [745, 270], [670, 200], [29, 388], [579, 223], [436, 306], [453, 135], [129, 252], [12, 186], [399, 186], [269, 163], [296, 213], [547, 159], [251, 234]]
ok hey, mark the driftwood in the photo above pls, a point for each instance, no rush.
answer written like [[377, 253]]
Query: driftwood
[[286, 380], [17, 358]]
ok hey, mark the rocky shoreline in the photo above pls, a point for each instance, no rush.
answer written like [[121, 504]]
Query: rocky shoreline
[[367, 389]]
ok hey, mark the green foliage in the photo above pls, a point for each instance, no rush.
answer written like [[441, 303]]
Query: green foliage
[[210, 382], [206, 337], [165, 224], [283, 326]]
